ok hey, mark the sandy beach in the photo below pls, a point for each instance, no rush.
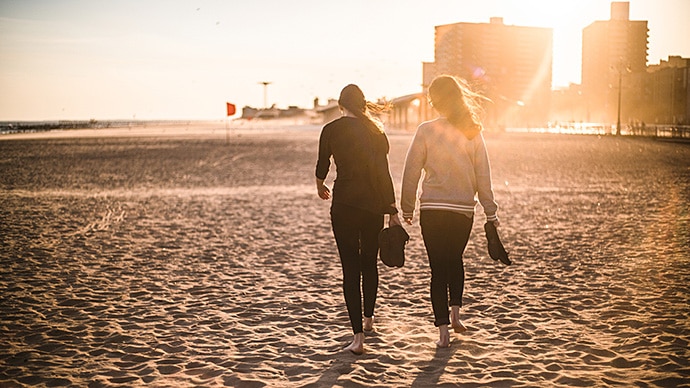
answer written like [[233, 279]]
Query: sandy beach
[[193, 257]]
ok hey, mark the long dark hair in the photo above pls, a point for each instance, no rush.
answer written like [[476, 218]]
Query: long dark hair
[[453, 98], [352, 99]]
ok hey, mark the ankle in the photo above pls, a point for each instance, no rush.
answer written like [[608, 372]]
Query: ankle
[[443, 337], [368, 323]]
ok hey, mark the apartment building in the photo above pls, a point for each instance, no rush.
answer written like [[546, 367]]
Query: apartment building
[[666, 93], [509, 64], [614, 55]]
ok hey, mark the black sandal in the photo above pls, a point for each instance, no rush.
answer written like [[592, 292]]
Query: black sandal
[[496, 249]]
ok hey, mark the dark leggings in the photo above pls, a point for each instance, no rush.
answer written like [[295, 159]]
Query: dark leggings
[[445, 237], [356, 234]]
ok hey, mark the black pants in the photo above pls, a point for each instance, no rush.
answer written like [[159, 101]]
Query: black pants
[[445, 237], [356, 234]]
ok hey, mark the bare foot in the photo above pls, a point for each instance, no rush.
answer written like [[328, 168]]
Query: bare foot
[[455, 323], [368, 323], [444, 337], [458, 327], [357, 345]]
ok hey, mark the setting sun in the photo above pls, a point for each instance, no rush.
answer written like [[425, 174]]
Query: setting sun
[[567, 19]]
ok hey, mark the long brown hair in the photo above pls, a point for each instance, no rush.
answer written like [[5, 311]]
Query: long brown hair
[[352, 99], [453, 98]]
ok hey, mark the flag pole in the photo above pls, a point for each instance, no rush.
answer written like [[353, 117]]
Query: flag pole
[[229, 111]]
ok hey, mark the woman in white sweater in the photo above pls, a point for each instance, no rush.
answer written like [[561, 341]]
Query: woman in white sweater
[[452, 153]]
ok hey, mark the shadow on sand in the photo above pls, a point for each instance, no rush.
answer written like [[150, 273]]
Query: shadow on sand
[[432, 370]]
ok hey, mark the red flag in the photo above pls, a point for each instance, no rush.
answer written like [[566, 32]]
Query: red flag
[[231, 109]]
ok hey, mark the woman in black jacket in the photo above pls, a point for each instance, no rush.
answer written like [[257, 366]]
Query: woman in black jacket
[[362, 193]]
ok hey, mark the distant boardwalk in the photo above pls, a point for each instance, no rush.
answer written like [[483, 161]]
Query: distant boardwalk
[[196, 261], [658, 131]]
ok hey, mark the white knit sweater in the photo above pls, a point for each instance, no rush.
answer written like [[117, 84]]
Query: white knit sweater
[[456, 171]]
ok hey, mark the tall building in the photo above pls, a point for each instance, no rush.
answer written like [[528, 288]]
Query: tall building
[[613, 51], [666, 93], [509, 64]]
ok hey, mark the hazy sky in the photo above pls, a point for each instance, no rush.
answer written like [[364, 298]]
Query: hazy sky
[[168, 59]]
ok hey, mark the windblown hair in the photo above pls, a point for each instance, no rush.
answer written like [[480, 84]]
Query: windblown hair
[[453, 98], [352, 99]]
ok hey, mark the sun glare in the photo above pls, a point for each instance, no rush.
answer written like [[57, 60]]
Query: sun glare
[[556, 14], [567, 20]]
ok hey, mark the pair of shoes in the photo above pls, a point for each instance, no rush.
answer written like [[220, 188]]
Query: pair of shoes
[[496, 249], [392, 243]]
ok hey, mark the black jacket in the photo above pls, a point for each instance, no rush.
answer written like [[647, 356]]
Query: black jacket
[[363, 178]]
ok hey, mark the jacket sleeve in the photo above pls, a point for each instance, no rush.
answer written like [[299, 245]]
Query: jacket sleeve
[[412, 172], [323, 163], [387, 182], [482, 170]]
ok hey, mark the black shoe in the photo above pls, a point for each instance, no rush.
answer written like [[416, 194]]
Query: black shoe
[[496, 249]]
